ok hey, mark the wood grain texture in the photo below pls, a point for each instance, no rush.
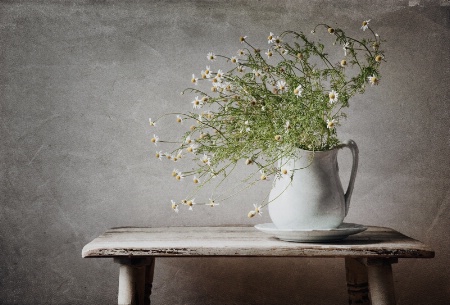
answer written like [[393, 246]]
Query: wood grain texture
[[247, 241]]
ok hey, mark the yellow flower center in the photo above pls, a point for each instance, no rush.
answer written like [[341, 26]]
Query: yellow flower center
[[332, 96], [284, 171], [330, 30], [153, 140], [174, 173], [343, 62], [378, 58], [189, 149], [195, 180], [278, 137], [364, 23]]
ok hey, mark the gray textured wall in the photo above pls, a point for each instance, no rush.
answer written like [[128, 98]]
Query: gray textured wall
[[79, 80]]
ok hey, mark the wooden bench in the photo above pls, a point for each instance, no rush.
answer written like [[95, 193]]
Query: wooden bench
[[368, 255]]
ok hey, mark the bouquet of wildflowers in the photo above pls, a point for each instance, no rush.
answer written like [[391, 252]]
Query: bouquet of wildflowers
[[268, 103]]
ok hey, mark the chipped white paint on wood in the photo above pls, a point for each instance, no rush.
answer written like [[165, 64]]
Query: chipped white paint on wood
[[135, 280], [381, 281], [247, 241]]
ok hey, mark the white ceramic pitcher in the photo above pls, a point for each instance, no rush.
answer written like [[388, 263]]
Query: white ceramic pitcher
[[314, 198]]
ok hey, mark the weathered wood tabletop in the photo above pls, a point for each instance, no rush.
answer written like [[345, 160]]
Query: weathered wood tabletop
[[247, 241], [368, 255]]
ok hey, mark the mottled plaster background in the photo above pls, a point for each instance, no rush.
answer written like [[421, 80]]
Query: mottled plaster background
[[78, 82]]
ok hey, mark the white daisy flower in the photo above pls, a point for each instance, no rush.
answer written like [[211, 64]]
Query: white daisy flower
[[331, 123], [373, 80], [190, 203], [159, 155], [298, 91], [234, 60], [179, 176], [192, 148], [343, 63], [277, 40], [257, 209], [284, 171], [197, 103], [282, 86], [333, 95], [180, 154], [174, 206], [263, 175], [211, 56], [240, 68], [196, 180], [151, 122], [174, 172], [257, 73], [365, 24], [228, 86], [212, 203], [194, 79], [271, 38], [155, 139], [269, 53], [188, 140], [241, 52], [251, 214], [216, 81], [179, 119], [219, 74], [346, 47], [207, 72], [168, 156], [206, 160], [242, 38]]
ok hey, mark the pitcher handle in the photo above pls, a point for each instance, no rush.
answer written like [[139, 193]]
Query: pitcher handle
[[355, 153]]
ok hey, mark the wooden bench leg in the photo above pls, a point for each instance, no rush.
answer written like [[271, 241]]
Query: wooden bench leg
[[135, 280], [357, 281], [381, 281]]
